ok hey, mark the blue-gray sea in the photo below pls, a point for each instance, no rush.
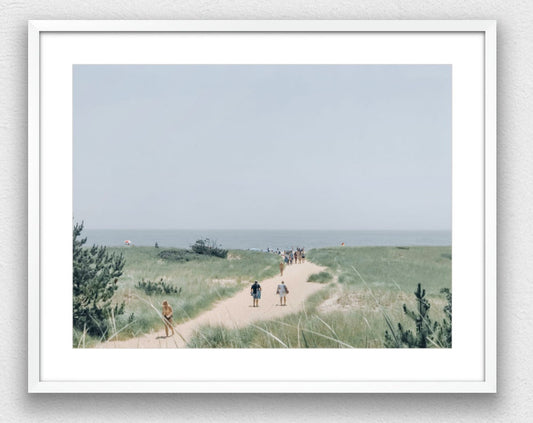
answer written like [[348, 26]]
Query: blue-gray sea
[[264, 239]]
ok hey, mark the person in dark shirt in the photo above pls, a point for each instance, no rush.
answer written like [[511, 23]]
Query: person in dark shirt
[[255, 292]]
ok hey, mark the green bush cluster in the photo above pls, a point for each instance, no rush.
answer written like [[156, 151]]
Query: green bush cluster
[[200, 249], [179, 254], [321, 277], [157, 288], [209, 248]]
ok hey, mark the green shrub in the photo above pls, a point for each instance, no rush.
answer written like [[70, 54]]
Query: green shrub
[[321, 277], [179, 254], [209, 248], [157, 288]]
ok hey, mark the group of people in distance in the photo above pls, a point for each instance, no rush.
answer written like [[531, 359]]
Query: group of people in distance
[[291, 257], [282, 291], [294, 256]]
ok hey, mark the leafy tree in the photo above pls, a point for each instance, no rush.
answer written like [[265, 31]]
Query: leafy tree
[[94, 281]]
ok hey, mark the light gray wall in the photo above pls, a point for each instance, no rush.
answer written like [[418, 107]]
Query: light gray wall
[[515, 322]]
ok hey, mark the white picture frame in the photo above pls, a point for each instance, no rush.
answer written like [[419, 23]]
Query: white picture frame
[[53, 46]]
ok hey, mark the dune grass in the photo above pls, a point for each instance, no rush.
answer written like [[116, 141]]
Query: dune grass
[[199, 284], [372, 285]]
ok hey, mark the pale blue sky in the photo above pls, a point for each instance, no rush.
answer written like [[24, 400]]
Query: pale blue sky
[[262, 146]]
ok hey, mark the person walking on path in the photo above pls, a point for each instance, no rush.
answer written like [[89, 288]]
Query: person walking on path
[[282, 291], [255, 292], [281, 266], [167, 318]]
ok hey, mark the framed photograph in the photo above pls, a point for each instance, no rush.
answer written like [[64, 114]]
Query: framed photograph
[[262, 206]]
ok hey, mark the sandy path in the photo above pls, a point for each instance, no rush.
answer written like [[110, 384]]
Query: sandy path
[[237, 311]]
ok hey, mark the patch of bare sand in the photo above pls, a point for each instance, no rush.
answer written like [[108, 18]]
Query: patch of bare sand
[[237, 311], [224, 282], [359, 301]]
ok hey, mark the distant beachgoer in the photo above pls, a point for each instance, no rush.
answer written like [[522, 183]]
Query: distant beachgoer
[[286, 259], [303, 255], [281, 266], [282, 291], [299, 257], [167, 317], [291, 258], [255, 292]]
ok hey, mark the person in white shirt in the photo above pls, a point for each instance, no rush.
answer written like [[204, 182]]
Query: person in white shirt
[[282, 291]]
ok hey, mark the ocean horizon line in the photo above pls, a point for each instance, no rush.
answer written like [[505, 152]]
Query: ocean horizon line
[[265, 238]]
